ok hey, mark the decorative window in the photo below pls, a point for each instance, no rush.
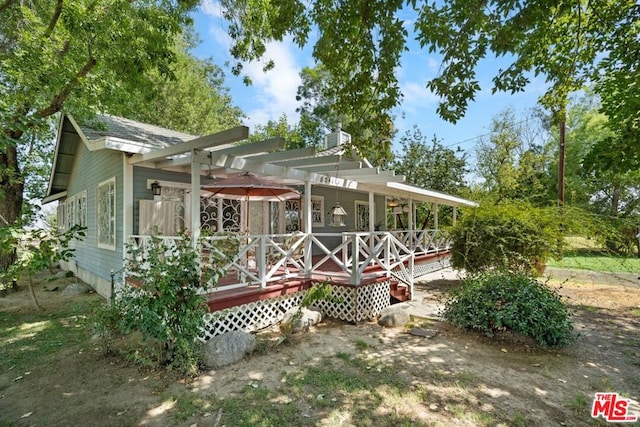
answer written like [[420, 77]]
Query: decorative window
[[362, 216], [106, 214], [292, 216], [80, 209], [73, 211], [317, 211]]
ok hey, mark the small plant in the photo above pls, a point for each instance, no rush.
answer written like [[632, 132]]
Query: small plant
[[496, 302], [578, 404], [361, 345]]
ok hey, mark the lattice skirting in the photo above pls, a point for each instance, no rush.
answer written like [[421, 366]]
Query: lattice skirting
[[352, 303], [356, 303], [249, 317], [421, 269]]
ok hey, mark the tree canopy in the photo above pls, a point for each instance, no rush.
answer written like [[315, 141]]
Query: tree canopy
[[192, 99], [320, 113], [429, 164], [77, 56], [511, 160], [360, 45], [279, 129]]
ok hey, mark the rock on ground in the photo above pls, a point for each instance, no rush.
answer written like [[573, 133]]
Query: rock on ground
[[298, 323], [74, 289], [425, 333], [394, 315], [228, 348]]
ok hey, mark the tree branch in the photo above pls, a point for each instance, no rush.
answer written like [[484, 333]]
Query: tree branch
[[54, 18], [60, 98], [4, 6]]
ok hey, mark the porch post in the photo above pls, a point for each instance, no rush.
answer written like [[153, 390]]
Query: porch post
[[372, 212], [127, 210], [372, 221], [308, 229], [410, 215], [127, 200], [195, 199], [455, 215], [435, 215]]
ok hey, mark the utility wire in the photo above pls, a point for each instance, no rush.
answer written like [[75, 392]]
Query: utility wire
[[484, 134]]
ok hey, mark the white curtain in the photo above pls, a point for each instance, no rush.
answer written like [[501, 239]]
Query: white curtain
[[160, 214]]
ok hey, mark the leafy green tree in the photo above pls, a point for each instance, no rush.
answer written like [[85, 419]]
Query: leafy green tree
[[509, 160], [360, 45], [193, 100], [77, 56], [319, 112], [280, 128], [429, 164], [612, 194]]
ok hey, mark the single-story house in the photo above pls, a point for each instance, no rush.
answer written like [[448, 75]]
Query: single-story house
[[126, 180]]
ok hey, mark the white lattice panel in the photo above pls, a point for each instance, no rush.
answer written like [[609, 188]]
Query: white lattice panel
[[249, 317], [355, 304], [421, 269]]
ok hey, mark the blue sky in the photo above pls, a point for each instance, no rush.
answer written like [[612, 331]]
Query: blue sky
[[273, 94]]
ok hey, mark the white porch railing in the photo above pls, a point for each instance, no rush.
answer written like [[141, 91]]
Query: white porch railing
[[260, 259]]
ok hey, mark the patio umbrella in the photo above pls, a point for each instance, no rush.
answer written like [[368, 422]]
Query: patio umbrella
[[249, 187]]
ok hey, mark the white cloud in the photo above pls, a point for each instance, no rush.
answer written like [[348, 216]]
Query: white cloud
[[211, 8], [276, 89], [433, 64], [417, 96]]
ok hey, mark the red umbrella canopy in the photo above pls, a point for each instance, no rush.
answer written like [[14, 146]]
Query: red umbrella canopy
[[251, 187]]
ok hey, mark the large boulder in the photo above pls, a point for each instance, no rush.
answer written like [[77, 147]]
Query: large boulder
[[394, 315], [294, 322], [228, 348]]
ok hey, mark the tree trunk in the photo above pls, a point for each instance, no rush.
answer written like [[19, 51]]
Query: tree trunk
[[615, 201], [32, 292], [11, 194]]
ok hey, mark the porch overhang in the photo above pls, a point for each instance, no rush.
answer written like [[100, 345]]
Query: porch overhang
[[424, 195]]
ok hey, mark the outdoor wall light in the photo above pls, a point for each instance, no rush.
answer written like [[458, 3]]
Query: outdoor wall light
[[156, 189], [392, 203]]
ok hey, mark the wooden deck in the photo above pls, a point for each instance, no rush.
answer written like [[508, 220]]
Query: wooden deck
[[331, 272]]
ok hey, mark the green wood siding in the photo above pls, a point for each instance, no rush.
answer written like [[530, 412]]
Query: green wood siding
[[89, 169]]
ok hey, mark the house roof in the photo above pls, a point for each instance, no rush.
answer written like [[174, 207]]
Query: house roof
[[155, 137], [219, 154]]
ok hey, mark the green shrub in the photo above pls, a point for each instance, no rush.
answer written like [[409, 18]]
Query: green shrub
[[496, 302], [166, 305], [508, 236]]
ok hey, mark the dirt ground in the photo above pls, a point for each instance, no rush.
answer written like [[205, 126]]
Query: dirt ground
[[76, 385]]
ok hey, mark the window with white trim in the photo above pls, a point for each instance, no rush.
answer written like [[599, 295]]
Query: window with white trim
[[106, 214], [73, 211], [317, 211]]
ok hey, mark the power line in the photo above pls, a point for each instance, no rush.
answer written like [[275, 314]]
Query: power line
[[484, 134]]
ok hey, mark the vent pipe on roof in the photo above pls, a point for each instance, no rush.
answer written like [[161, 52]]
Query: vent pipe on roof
[[337, 138]]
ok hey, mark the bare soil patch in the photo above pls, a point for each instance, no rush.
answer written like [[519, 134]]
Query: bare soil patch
[[456, 378]]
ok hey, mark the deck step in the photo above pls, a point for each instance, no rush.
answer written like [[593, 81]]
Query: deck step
[[399, 292]]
